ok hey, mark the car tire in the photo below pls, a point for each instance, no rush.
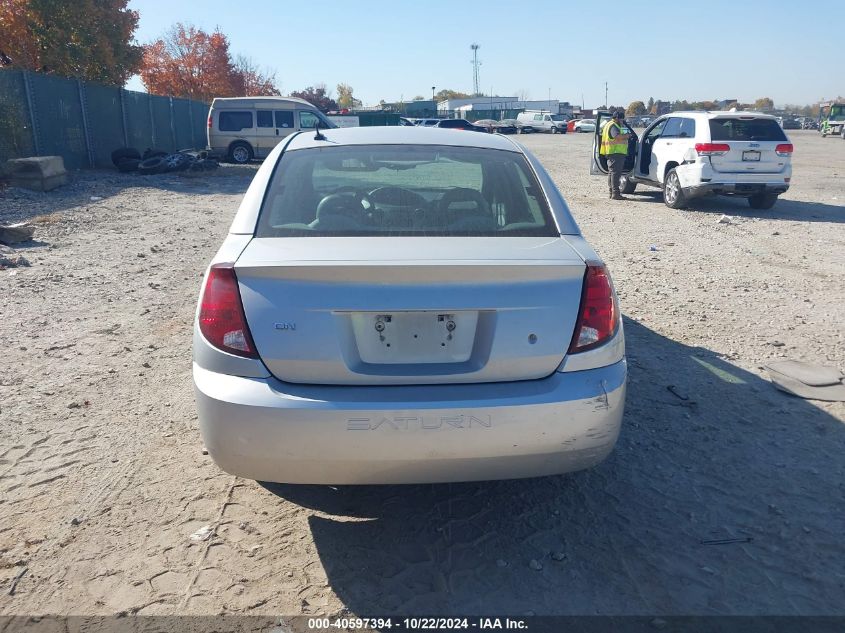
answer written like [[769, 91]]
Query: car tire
[[154, 165], [762, 200], [128, 164], [122, 153], [154, 153], [673, 195], [240, 153], [176, 162], [626, 186]]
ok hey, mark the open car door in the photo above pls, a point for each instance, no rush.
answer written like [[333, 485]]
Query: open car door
[[598, 163]]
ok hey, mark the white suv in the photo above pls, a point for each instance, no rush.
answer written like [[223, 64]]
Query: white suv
[[692, 154]]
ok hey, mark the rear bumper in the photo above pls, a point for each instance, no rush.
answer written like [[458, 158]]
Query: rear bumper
[[268, 430], [701, 179], [735, 189]]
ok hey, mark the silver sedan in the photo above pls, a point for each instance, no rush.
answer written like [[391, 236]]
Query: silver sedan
[[406, 305]]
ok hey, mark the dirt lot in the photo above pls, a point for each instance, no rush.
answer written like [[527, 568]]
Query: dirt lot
[[724, 496]]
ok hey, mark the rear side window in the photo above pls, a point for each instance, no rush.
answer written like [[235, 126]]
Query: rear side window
[[264, 118], [687, 128], [234, 120], [380, 190], [745, 130], [284, 118], [672, 129]]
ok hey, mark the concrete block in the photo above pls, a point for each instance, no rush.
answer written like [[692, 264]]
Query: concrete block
[[39, 173]]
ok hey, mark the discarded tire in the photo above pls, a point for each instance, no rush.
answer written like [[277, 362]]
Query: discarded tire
[[205, 164], [154, 165], [122, 153], [128, 164], [176, 162], [153, 153]]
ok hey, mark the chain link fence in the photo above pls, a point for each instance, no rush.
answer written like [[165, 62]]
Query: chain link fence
[[45, 115]]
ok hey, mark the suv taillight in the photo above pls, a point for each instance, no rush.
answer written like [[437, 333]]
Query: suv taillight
[[712, 149], [784, 149], [598, 317], [221, 318]]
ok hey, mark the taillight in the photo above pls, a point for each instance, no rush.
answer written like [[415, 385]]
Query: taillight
[[209, 121], [598, 317], [221, 318], [712, 149], [784, 149]]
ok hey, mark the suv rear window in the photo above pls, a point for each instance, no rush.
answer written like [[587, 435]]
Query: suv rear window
[[234, 120], [377, 190], [739, 129]]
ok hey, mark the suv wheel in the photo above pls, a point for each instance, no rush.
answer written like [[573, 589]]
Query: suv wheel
[[240, 153], [762, 200], [673, 195]]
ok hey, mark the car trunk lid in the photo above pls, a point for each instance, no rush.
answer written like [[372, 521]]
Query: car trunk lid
[[410, 310]]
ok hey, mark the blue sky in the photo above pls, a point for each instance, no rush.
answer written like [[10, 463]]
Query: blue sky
[[741, 49]]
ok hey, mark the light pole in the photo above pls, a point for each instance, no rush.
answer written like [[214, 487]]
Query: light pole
[[432, 99]]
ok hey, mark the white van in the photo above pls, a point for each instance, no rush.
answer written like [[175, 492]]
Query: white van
[[543, 121], [243, 128]]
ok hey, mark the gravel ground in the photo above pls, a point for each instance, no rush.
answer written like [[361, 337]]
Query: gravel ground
[[724, 496]]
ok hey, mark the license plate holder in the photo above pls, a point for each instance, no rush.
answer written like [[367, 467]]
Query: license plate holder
[[425, 337], [751, 156]]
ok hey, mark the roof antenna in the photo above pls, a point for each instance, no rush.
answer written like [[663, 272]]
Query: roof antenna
[[318, 136]]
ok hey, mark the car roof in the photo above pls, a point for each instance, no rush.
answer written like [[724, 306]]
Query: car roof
[[401, 135], [721, 114], [244, 102]]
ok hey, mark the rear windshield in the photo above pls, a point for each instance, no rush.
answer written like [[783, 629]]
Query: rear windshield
[[745, 130], [404, 190]]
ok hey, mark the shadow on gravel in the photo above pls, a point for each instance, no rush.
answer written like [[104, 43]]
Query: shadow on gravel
[[784, 209], [21, 205], [723, 496]]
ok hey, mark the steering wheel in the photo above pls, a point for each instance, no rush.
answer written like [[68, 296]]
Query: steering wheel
[[396, 196]]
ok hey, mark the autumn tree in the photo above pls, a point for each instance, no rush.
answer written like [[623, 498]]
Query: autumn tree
[[317, 96], [764, 104], [249, 81], [345, 97], [635, 108], [446, 94], [188, 62], [87, 39]]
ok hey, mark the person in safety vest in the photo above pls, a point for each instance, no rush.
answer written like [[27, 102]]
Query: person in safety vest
[[614, 146]]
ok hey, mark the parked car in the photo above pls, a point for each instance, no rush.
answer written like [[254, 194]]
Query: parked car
[[459, 124], [693, 154], [401, 306], [790, 123], [488, 124], [405, 122], [585, 125], [243, 128], [507, 126], [521, 128], [543, 121], [570, 125], [428, 122]]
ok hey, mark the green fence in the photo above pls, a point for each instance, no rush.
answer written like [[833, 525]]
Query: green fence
[[45, 115]]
